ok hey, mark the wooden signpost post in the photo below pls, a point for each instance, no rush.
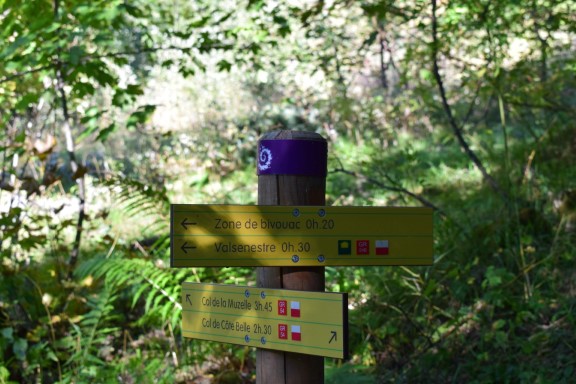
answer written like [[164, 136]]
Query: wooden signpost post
[[300, 185], [290, 236]]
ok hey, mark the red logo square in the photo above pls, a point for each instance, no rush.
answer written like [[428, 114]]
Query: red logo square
[[282, 307], [282, 331], [362, 247]]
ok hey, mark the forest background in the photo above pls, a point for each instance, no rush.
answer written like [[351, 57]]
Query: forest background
[[111, 110]]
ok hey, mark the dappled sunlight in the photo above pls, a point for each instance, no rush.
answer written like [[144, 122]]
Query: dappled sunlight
[[112, 111], [444, 177]]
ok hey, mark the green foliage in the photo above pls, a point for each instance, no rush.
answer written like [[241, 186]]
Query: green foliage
[[138, 198], [349, 373], [90, 334], [496, 306], [157, 288]]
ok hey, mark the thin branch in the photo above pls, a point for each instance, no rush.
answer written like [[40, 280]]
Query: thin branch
[[443, 337], [49, 321], [409, 318], [448, 110], [89, 57], [340, 79], [14, 76], [471, 106], [399, 189], [75, 166], [383, 64], [552, 106], [395, 187]]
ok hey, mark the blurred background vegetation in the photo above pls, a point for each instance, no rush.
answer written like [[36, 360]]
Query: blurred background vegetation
[[111, 110]]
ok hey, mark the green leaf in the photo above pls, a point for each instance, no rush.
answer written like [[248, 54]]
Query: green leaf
[[495, 276], [7, 333], [108, 14], [19, 42], [124, 97], [28, 50], [51, 28], [19, 348], [76, 53], [12, 66], [82, 89], [224, 65], [370, 39], [255, 5], [182, 35], [104, 133], [425, 74], [98, 71], [498, 324], [26, 100], [199, 23], [20, 137], [224, 18], [133, 89], [167, 63], [132, 10]]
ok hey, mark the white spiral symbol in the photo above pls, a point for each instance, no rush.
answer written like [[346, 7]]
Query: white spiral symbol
[[265, 159]]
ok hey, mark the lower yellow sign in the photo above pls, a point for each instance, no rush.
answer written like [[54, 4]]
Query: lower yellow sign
[[314, 323]]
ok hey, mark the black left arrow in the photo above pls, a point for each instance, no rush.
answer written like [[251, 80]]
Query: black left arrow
[[188, 299], [334, 337], [185, 223], [185, 246]]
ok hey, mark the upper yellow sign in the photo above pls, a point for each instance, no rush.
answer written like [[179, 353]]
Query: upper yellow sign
[[242, 235], [315, 323]]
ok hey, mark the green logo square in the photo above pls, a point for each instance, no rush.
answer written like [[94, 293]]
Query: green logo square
[[344, 247]]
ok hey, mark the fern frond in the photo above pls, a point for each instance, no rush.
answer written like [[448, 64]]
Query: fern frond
[[159, 288], [138, 198], [92, 332]]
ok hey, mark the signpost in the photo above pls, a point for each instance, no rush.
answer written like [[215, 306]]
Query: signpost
[[313, 323], [236, 235], [290, 236]]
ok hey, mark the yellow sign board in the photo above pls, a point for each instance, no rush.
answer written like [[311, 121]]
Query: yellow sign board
[[314, 323], [242, 235]]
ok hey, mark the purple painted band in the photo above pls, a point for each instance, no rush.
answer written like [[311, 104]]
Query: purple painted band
[[292, 157]]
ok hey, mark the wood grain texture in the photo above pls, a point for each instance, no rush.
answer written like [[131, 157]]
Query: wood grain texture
[[273, 367]]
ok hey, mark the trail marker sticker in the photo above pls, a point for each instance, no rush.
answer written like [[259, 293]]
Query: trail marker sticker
[[240, 235], [293, 157], [381, 247], [316, 325], [264, 159]]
